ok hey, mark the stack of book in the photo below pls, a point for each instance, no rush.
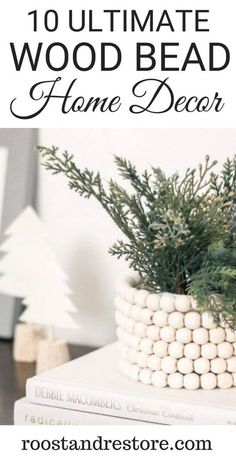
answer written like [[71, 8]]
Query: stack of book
[[91, 391]]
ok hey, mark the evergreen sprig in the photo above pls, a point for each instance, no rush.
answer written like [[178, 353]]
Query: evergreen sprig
[[179, 231]]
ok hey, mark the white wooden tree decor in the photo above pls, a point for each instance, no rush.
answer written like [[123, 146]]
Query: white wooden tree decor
[[29, 270]]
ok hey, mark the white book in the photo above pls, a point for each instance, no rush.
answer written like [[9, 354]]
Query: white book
[[94, 384], [26, 413]]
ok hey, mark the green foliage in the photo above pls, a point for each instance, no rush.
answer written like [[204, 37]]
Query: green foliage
[[179, 231]]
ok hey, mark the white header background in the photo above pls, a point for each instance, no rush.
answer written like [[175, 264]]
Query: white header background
[[16, 26]]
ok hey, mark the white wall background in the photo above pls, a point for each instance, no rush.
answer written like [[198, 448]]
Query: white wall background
[[80, 230]]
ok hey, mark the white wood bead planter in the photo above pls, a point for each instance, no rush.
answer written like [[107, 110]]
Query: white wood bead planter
[[165, 341]]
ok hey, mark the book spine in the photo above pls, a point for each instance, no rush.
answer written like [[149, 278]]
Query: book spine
[[35, 414], [127, 406]]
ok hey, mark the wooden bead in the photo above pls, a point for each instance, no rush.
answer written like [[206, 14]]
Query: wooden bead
[[145, 376], [135, 342], [194, 304], [231, 364], [129, 325], [119, 333], [118, 302], [192, 351], [141, 297], [175, 381], [125, 308], [160, 348], [146, 345], [160, 318], [182, 303], [200, 336], [118, 318], [153, 302], [201, 365], [192, 320], [153, 332], [185, 366], [225, 350], [176, 350], [135, 312], [132, 356], [217, 335], [159, 379], [208, 381], [191, 381], [184, 335], [169, 365], [230, 335], [207, 321], [167, 303], [154, 363], [146, 316], [142, 359], [209, 351], [234, 348], [234, 379], [123, 350], [140, 329], [218, 365], [130, 294], [176, 320], [133, 372], [225, 380], [167, 334]]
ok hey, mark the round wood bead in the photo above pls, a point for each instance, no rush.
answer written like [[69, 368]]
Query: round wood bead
[[207, 321], [176, 320], [118, 302], [225, 380], [217, 335], [146, 345], [160, 318], [192, 320], [118, 318], [231, 364], [130, 294], [200, 336], [125, 308], [182, 303], [153, 332], [175, 381], [185, 366], [218, 365], [135, 342], [159, 379], [140, 329], [209, 351], [154, 363], [169, 365], [192, 351], [127, 338], [135, 312], [167, 303], [208, 381], [142, 359], [194, 304], [230, 335], [201, 365], [129, 325], [145, 376], [225, 350], [146, 316], [160, 348], [234, 379], [132, 356], [184, 335], [167, 334], [141, 297], [153, 302], [191, 381], [133, 372], [176, 350], [234, 348], [123, 350]]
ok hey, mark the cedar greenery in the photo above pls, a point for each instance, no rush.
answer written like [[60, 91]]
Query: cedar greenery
[[180, 231]]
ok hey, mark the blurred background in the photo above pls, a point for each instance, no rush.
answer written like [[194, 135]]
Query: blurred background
[[79, 230]]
